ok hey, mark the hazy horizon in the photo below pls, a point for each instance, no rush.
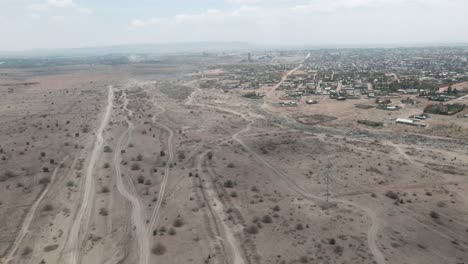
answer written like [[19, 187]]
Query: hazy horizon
[[63, 24]]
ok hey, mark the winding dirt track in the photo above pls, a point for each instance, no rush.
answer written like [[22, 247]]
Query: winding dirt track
[[137, 216], [29, 217], [155, 214], [219, 211], [74, 241], [162, 189]]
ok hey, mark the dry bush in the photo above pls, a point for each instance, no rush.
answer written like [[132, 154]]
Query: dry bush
[[8, 175], [375, 170], [135, 167], [26, 251], [178, 222], [141, 179], [51, 247], [392, 195], [103, 211], [107, 149], [434, 215], [338, 250], [44, 181], [182, 155], [48, 208], [139, 157], [252, 229], [267, 219], [228, 184], [159, 249], [172, 231]]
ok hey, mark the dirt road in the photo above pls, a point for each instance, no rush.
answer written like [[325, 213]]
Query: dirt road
[[74, 238]]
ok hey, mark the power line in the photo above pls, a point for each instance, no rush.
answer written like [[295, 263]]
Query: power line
[[327, 178]]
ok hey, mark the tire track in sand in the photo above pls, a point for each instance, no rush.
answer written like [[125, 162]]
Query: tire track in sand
[[130, 195], [162, 190], [74, 241], [30, 216]]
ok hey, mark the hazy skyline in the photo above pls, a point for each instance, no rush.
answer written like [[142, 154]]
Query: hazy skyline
[[37, 24]]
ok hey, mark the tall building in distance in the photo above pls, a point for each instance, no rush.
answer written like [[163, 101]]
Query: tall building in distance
[[249, 56]]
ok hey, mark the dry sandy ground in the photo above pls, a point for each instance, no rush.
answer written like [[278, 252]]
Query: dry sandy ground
[[149, 168]]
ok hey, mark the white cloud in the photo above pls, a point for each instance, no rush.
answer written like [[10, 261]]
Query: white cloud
[[242, 13], [334, 5], [139, 23], [244, 2], [34, 16], [50, 5], [60, 3], [58, 18], [83, 10]]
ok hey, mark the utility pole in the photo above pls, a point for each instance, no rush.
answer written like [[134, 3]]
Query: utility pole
[[327, 177]]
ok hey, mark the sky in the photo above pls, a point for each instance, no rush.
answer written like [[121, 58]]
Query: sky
[[48, 24]]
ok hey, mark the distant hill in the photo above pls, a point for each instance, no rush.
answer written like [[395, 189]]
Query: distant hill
[[157, 49]]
